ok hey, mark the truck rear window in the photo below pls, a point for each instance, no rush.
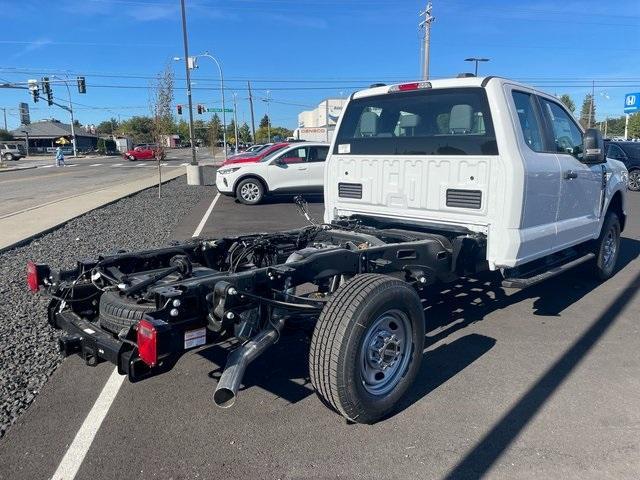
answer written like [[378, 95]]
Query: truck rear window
[[455, 121]]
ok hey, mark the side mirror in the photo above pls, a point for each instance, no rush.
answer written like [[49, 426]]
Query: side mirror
[[593, 147]]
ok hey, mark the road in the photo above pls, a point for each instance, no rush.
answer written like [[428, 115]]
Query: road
[[540, 383], [29, 188]]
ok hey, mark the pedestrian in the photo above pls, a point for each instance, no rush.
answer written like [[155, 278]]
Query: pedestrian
[[59, 157]]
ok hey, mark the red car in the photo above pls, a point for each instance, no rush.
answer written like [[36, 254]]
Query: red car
[[141, 152], [254, 157]]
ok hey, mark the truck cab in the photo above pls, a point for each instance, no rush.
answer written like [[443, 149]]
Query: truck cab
[[484, 155]]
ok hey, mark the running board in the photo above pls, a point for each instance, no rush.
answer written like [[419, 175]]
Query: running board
[[541, 277]]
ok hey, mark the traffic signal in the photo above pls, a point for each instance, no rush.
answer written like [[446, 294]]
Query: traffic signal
[[82, 85], [200, 109], [179, 108], [34, 89], [46, 88]]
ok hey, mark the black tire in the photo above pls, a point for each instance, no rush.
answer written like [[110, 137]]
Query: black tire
[[131, 158], [250, 191], [340, 344], [606, 258], [118, 312], [634, 180], [8, 157]]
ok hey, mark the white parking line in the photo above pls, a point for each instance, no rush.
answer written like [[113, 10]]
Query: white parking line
[[47, 166], [141, 165], [73, 458], [117, 165], [72, 165], [96, 165], [70, 463], [206, 216]]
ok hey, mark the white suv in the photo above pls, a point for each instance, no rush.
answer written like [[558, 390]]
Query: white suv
[[298, 168]]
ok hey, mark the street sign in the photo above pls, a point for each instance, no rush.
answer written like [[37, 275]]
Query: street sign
[[632, 102], [219, 110]]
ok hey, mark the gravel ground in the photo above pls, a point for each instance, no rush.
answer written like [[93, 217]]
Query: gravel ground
[[28, 349]]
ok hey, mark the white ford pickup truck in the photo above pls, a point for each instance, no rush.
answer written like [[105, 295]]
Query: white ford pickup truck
[[425, 182]]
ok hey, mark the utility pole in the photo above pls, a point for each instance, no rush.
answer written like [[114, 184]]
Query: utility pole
[[593, 90], [426, 24], [268, 100], [4, 110], [235, 119], [253, 121], [194, 160], [70, 110]]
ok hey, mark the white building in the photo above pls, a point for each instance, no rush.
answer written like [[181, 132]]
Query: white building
[[326, 114]]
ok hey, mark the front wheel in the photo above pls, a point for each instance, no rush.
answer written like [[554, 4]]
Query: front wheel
[[8, 157], [634, 180], [250, 191], [607, 247], [367, 346]]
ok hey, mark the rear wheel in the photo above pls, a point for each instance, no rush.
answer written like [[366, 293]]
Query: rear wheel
[[634, 180], [8, 157], [250, 191], [367, 346], [607, 247]]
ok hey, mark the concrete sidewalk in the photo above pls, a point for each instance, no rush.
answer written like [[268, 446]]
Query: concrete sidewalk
[[21, 226]]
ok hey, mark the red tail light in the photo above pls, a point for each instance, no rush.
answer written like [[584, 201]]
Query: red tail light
[[32, 277], [147, 343], [405, 87]]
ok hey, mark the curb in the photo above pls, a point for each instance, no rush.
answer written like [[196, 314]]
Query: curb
[[16, 169], [41, 233]]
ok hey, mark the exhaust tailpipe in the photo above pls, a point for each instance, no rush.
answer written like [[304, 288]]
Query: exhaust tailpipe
[[239, 360]]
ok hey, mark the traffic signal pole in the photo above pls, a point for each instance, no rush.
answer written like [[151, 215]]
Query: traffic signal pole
[[70, 109]]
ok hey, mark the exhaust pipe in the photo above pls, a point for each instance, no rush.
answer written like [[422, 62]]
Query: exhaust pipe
[[239, 360]]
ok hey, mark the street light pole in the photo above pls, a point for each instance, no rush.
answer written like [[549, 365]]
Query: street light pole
[[268, 100], [476, 60], [73, 129], [194, 160], [224, 116]]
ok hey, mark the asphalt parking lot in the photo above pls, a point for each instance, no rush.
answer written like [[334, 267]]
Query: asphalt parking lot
[[540, 383]]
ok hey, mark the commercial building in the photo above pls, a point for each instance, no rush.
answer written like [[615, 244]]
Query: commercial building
[[43, 134], [325, 115]]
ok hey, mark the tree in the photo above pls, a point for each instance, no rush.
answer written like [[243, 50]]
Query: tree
[[634, 125], [139, 128], [5, 135], [182, 129], [588, 112], [264, 122], [108, 127], [200, 132], [231, 131], [568, 102], [215, 129], [244, 132]]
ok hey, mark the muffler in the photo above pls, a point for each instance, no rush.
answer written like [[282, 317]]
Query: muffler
[[239, 360]]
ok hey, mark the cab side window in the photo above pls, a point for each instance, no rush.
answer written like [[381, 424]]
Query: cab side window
[[318, 154], [567, 137], [529, 123]]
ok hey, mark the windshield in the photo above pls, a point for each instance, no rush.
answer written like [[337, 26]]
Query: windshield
[[425, 122]]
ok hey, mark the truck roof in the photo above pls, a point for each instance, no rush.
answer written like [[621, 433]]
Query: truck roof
[[440, 83]]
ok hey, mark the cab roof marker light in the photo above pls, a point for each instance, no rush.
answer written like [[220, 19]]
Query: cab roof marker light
[[405, 87]]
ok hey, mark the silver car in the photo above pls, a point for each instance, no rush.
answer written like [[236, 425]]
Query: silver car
[[11, 151]]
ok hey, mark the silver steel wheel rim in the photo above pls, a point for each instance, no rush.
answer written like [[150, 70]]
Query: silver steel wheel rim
[[385, 352], [634, 180], [609, 248], [250, 192]]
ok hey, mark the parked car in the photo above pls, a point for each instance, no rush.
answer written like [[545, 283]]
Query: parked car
[[629, 154], [255, 156], [289, 170], [145, 151], [426, 182], [256, 148], [11, 151]]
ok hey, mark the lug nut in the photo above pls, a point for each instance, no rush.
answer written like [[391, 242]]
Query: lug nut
[[174, 312], [176, 303], [230, 315], [232, 291]]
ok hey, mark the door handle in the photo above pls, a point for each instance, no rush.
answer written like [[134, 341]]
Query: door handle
[[569, 174], [302, 168]]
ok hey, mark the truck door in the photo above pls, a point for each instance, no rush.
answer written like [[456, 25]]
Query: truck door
[[580, 184], [541, 179]]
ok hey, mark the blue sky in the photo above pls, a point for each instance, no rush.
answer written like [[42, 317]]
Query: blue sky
[[305, 50]]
